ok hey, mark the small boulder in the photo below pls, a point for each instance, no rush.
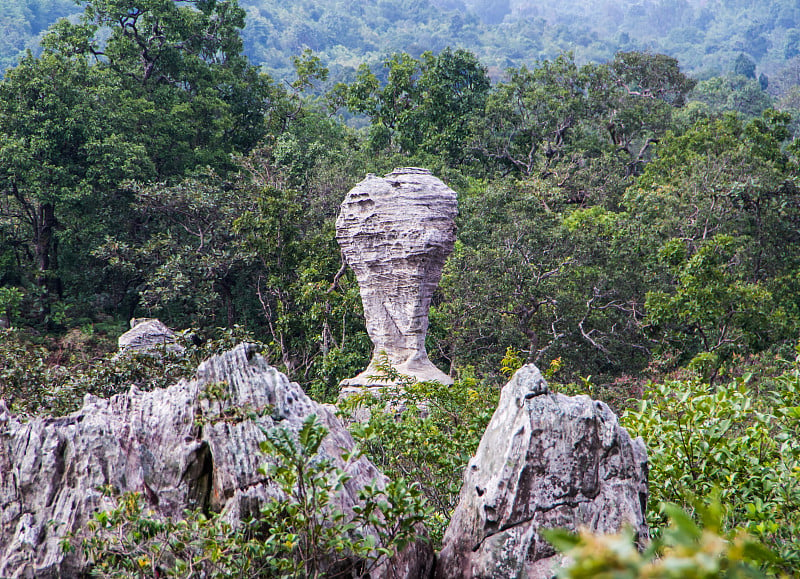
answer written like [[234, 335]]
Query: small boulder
[[148, 335]]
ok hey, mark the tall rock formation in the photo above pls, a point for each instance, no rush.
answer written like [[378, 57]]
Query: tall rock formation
[[396, 232], [192, 445], [545, 461]]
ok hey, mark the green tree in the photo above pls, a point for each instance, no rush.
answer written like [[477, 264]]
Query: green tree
[[453, 90], [184, 263], [62, 150], [551, 280], [165, 92], [531, 118], [558, 117], [183, 58], [732, 93], [386, 106], [713, 213], [308, 303], [744, 66], [711, 309], [651, 87], [424, 105]]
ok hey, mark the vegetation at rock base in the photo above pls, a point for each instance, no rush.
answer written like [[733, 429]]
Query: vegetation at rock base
[[303, 534], [423, 432], [632, 229]]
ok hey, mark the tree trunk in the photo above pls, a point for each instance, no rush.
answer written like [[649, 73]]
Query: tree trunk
[[230, 306], [46, 222], [44, 249]]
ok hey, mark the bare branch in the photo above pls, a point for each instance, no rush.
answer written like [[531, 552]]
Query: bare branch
[[338, 275]]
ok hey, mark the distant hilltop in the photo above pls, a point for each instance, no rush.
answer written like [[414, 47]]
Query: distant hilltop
[[706, 37]]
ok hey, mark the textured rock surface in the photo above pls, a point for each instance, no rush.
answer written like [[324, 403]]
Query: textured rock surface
[[545, 460], [147, 334], [183, 446], [396, 232]]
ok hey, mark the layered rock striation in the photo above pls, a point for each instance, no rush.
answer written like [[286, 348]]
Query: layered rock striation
[[192, 445], [395, 233], [545, 461]]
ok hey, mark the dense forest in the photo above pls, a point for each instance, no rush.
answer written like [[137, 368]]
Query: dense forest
[[632, 229], [707, 37]]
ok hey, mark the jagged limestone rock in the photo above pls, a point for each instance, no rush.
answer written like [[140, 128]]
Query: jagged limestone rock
[[545, 461], [148, 335], [396, 232], [192, 445]]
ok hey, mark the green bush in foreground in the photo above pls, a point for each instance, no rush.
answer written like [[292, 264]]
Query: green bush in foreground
[[727, 439], [685, 550], [300, 535], [425, 432]]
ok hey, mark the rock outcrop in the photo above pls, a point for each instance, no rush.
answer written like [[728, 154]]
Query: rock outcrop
[[396, 232], [192, 445], [545, 461], [148, 335]]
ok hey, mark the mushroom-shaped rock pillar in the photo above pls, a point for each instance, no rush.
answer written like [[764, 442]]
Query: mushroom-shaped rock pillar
[[396, 232]]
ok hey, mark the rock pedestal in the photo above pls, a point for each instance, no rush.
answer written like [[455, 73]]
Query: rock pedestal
[[545, 461], [396, 232]]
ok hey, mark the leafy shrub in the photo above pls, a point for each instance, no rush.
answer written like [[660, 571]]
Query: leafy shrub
[[701, 438], [26, 377], [425, 432], [685, 550], [131, 541], [301, 534], [10, 300], [312, 536]]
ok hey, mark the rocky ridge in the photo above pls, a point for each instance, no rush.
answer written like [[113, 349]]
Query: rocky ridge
[[545, 461], [192, 445]]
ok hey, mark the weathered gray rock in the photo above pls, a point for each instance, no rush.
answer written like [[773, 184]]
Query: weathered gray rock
[[545, 461], [148, 335], [396, 232], [192, 445]]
